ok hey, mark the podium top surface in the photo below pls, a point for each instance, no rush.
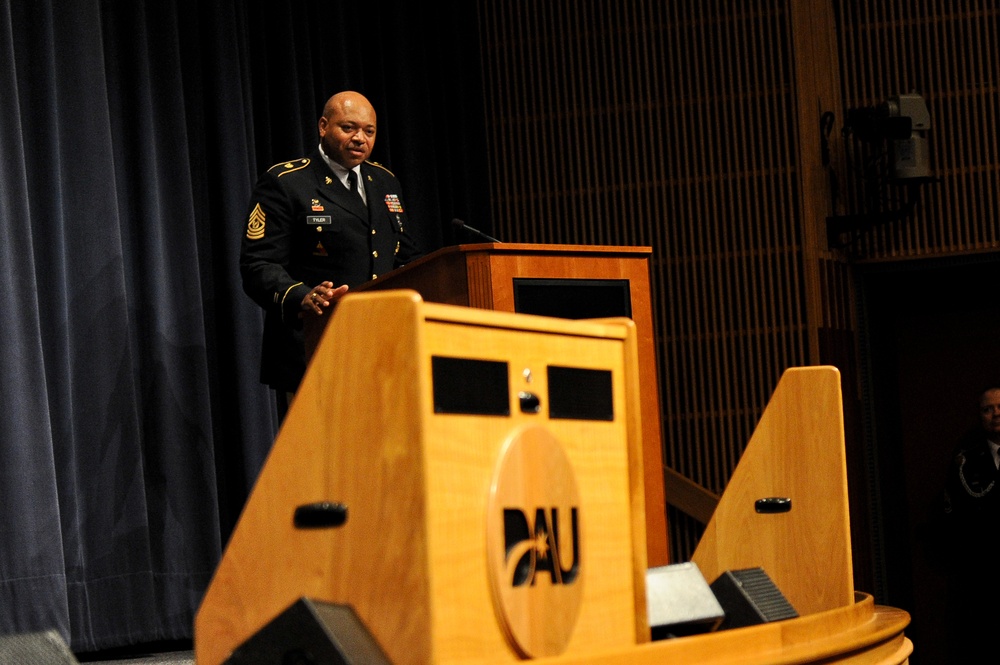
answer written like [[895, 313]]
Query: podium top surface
[[536, 248], [462, 253]]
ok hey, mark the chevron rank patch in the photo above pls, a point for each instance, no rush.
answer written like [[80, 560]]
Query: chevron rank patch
[[255, 227], [392, 203]]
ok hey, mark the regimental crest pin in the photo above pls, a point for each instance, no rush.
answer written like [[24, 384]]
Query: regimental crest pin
[[255, 227], [392, 203], [317, 206]]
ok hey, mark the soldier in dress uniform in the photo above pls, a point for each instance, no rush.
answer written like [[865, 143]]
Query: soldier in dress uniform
[[316, 227], [973, 510]]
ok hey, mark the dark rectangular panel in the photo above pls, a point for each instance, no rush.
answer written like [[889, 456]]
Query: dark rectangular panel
[[573, 298], [580, 394], [470, 386]]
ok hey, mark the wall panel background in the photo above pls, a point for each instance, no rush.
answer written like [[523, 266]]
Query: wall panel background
[[694, 128], [670, 125]]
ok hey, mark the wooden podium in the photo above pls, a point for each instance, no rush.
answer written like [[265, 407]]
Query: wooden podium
[[567, 281], [491, 469]]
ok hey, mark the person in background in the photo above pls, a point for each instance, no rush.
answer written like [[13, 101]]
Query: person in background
[[973, 513], [973, 487]]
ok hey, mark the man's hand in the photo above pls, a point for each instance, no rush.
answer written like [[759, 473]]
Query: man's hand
[[322, 296]]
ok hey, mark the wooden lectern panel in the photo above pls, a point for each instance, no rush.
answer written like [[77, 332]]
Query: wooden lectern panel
[[405, 415], [797, 453]]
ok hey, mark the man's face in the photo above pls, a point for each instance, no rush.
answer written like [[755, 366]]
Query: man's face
[[989, 411], [348, 131]]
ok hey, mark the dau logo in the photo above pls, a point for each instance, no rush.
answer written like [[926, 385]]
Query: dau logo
[[536, 543], [534, 547]]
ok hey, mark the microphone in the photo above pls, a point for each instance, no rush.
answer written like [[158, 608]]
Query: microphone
[[459, 224]]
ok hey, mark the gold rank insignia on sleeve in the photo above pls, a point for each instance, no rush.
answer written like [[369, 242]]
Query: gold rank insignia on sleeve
[[255, 227]]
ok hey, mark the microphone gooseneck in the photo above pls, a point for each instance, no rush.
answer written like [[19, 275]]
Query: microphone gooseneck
[[459, 224]]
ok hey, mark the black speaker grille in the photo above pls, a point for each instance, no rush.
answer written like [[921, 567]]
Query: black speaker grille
[[749, 597], [573, 298], [470, 386], [769, 600], [580, 394]]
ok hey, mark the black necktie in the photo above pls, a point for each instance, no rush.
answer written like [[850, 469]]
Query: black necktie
[[352, 180]]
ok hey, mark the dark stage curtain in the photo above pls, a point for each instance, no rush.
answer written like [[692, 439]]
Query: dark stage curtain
[[132, 423]]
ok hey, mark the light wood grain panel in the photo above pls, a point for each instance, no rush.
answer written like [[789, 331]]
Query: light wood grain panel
[[348, 437], [796, 452]]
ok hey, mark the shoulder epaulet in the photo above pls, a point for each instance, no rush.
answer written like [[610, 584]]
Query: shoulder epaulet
[[376, 164], [285, 168]]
